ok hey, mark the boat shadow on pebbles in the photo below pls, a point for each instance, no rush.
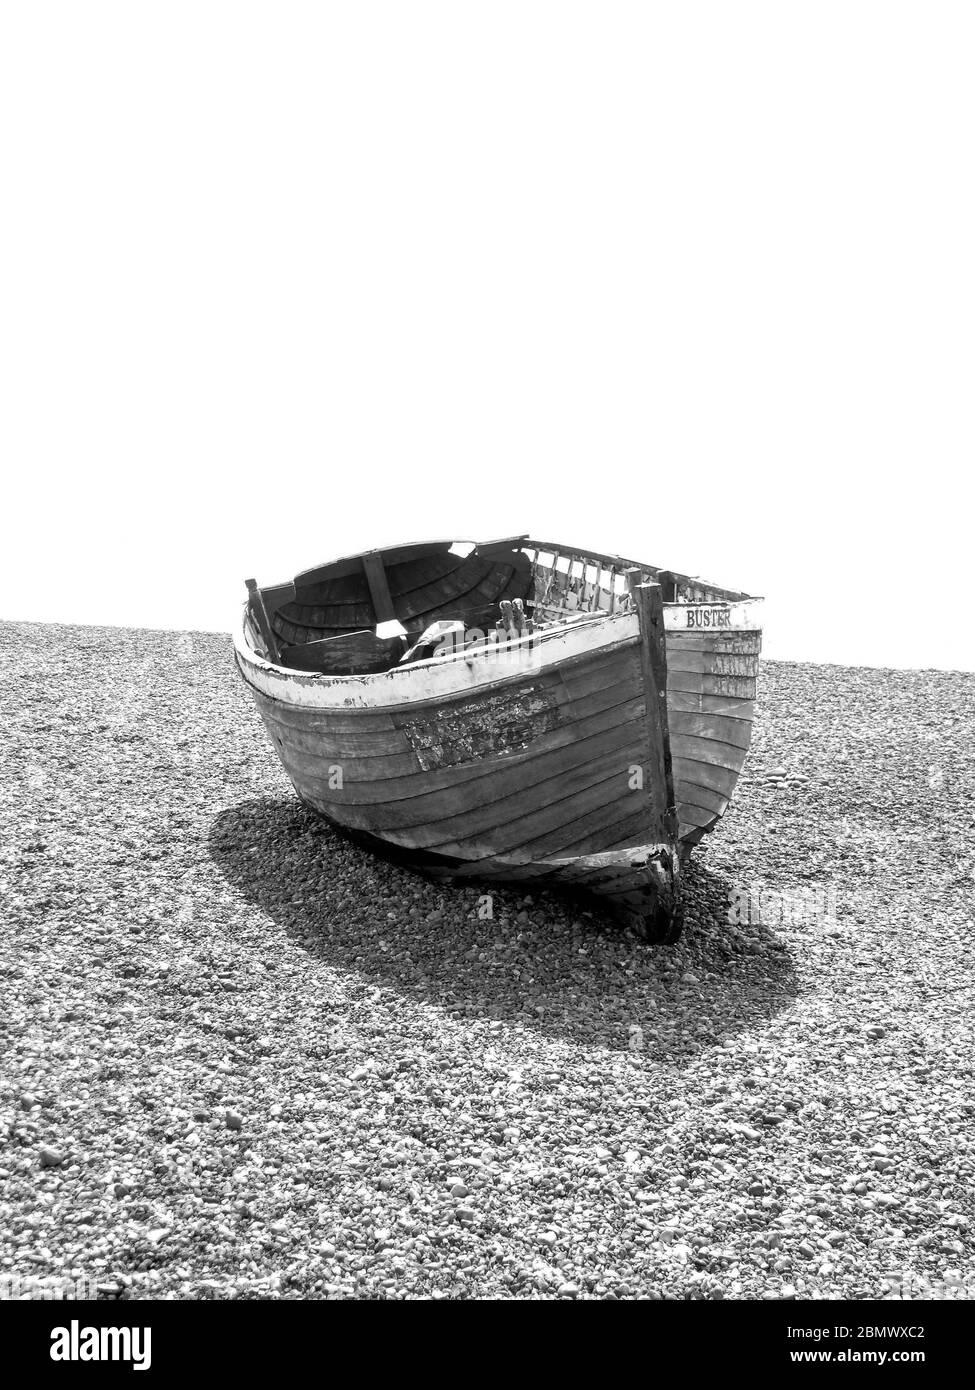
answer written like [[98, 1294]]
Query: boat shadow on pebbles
[[555, 964]]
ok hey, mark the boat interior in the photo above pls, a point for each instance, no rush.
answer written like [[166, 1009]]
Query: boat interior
[[368, 613]]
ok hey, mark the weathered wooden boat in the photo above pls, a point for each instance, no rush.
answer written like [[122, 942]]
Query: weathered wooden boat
[[515, 711]]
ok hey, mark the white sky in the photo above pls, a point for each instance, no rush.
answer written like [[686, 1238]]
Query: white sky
[[689, 282]]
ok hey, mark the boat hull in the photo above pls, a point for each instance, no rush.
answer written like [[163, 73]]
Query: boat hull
[[533, 769]]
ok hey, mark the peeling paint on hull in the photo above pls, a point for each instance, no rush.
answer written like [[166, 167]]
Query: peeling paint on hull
[[509, 722]]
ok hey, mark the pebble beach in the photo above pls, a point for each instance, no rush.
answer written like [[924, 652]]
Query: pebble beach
[[244, 1058]]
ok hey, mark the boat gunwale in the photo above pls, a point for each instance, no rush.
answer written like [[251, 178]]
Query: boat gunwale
[[376, 682], [416, 684]]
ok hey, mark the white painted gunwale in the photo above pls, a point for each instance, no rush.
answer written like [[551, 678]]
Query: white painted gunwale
[[464, 672]]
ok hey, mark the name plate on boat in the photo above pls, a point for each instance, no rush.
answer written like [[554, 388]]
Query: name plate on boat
[[710, 617]]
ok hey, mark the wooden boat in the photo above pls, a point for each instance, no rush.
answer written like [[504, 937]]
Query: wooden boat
[[511, 711]]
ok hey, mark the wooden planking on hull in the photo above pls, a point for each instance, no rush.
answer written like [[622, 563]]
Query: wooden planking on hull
[[566, 746], [429, 815], [566, 820], [573, 723], [562, 780], [370, 743], [703, 683], [513, 817], [720, 728], [694, 817], [690, 772], [588, 675], [439, 795], [713, 663], [509, 814], [710, 801], [576, 827], [409, 781], [614, 832], [597, 671], [538, 816], [710, 751], [696, 703], [567, 709], [324, 721], [733, 643], [315, 768]]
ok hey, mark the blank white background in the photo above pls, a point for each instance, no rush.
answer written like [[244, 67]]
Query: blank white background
[[690, 282]]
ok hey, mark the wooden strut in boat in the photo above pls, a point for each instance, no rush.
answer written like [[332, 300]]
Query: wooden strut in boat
[[382, 600], [257, 608], [387, 623]]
